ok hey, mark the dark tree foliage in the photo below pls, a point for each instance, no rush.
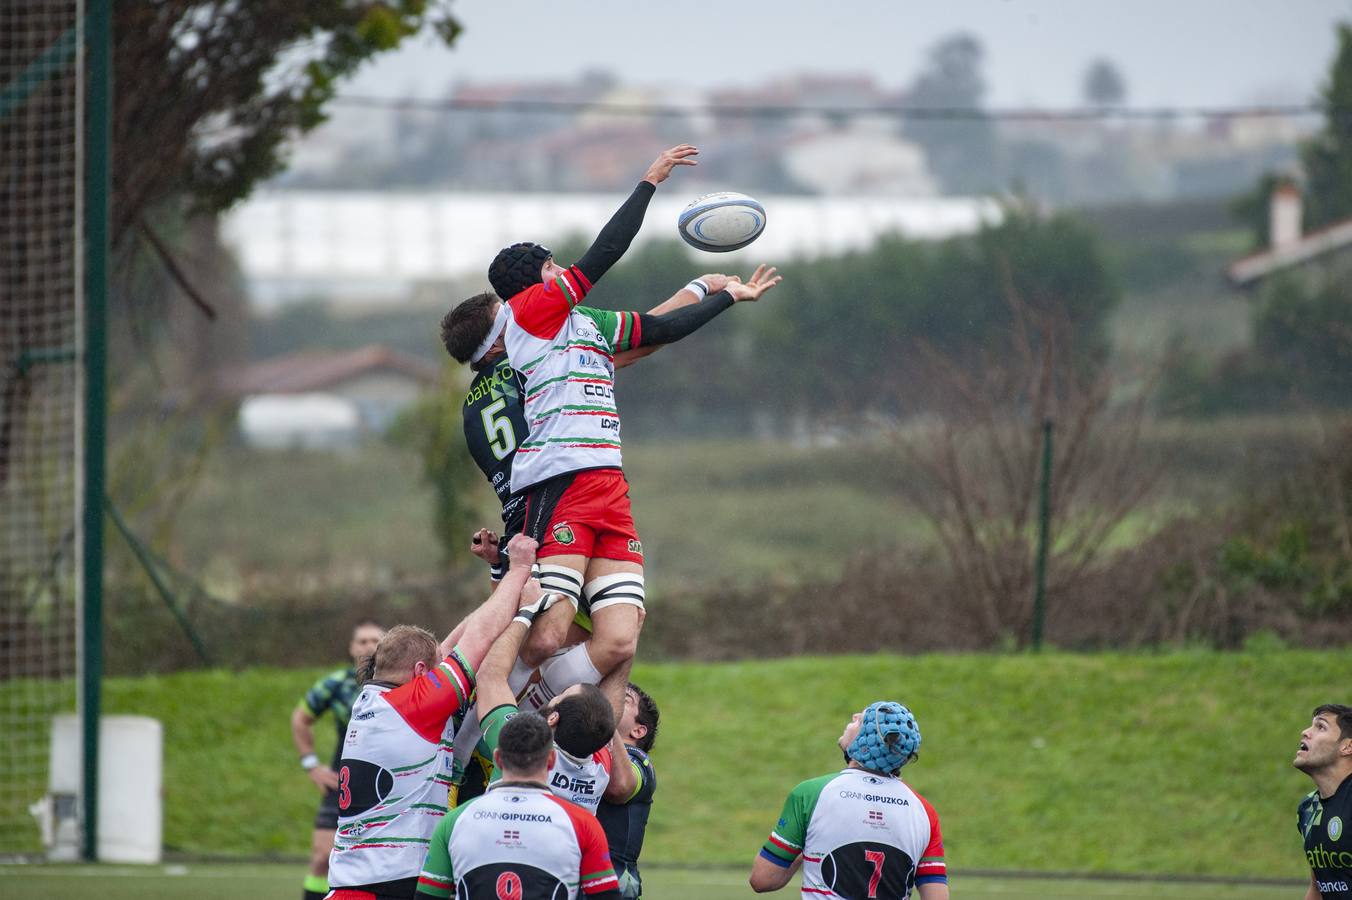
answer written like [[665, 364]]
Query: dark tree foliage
[[962, 154], [208, 94], [1326, 159], [1104, 84]]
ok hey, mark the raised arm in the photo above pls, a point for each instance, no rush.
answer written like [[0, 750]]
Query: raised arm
[[482, 627], [492, 690], [619, 232], [692, 293], [671, 327], [622, 780]]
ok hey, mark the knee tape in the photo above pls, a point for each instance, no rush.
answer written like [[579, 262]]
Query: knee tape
[[560, 581], [608, 590]]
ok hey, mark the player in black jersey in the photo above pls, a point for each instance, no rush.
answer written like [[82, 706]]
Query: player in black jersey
[[625, 822], [1325, 815]]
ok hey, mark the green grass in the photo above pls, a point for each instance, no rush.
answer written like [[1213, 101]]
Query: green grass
[[709, 512], [278, 882], [1171, 763]]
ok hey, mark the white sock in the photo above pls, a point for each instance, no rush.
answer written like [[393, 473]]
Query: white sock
[[574, 667], [560, 672]]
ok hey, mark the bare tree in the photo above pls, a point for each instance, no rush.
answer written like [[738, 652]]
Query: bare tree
[[980, 459]]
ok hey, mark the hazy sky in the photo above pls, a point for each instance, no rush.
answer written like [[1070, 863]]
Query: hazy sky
[[1172, 52]]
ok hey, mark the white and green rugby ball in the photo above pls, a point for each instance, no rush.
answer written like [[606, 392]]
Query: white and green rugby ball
[[721, 222]]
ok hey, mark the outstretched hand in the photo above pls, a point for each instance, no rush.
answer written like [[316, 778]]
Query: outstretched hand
[[676, 156], [762, 280]]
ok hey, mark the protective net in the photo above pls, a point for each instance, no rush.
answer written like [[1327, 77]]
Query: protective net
[[40, 396]]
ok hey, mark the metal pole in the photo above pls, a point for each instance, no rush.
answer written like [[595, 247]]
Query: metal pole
[[1044, 536], [98, 49]]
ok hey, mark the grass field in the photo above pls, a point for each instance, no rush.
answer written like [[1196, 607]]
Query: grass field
[[782, 511], [1175, 763], [278, 882]]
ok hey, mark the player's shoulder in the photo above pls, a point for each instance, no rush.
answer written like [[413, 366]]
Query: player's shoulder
[[582, 818], [1309, 801], [812, 787]]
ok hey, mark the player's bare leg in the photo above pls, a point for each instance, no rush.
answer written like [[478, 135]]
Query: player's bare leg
[[321, 845]]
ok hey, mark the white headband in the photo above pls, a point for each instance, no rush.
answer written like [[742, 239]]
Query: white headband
[[499, 323]]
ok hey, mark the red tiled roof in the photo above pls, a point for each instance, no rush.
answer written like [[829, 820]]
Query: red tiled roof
[[316, 370]]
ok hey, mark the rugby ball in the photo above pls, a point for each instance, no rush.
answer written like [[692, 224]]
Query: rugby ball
[[721, 222]]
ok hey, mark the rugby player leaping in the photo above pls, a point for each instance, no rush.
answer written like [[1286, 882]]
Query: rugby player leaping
[[569, 469]]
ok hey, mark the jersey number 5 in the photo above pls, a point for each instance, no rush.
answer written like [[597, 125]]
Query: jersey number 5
[[501, 435]]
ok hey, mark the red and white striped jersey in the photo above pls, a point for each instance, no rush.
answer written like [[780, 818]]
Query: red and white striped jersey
[[394, 774], [860, 835], [520, 841]]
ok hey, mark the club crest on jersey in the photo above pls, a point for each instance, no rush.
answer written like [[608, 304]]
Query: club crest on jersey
[[875, 817], [1335, 828], [564, 534]]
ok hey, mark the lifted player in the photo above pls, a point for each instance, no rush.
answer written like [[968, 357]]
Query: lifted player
[[1325, 755], [569, 468], [861, 832]]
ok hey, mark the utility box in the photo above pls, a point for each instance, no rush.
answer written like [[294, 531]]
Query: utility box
[[131, 807]]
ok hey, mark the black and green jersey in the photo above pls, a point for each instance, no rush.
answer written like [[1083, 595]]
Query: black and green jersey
[[625, 823], [334, 693], [495, 425], [1324, 823]]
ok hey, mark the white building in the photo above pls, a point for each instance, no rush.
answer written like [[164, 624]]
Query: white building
[[366, 247]]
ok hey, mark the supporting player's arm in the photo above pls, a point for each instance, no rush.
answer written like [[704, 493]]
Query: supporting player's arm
[[483, 626], [492, 690], [768, 876], [623, 781], [302, 734], [937, 891], [619, 232]]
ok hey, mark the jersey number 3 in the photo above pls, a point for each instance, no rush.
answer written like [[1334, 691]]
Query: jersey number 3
[[501, 435]]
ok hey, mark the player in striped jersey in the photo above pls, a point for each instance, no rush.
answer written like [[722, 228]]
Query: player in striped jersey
[[861, 833], [396, 763], [333, 693], [519, 840], [569, 469]]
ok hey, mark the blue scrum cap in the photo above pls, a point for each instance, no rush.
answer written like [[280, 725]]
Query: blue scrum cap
[[888, 735]]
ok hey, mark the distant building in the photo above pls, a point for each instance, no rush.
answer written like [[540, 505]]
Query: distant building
[[367, 248], [324, 398], [1323, 255]]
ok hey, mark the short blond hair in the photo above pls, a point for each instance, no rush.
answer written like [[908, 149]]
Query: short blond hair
[[399, 650]]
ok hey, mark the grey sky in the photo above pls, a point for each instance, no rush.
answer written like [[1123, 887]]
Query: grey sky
[[1172, 52]]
